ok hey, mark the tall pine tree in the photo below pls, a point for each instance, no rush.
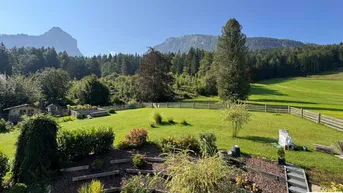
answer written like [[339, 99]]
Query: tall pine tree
[[230, 61]]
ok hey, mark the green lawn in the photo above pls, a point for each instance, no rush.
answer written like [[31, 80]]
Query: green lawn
[[255, 138], [319, 93]]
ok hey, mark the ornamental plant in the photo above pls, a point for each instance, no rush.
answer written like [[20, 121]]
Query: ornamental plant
[[137, 137]]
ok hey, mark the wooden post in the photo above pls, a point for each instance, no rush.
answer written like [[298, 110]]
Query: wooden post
[[152, 105], [289, 109], [208, 105], [180, 104], [193, 105], [167, 104], [265, 108], [302, 112], [318, 118]]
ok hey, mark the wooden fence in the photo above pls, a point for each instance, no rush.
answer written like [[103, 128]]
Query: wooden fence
[[312, 116], [318, 118], [250, 107]]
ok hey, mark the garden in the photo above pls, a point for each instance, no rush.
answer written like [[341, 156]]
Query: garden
[[173, 142]]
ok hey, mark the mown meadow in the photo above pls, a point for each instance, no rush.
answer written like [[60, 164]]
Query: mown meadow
[[255, 138]]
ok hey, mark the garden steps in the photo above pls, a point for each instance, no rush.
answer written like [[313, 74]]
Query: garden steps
[[296, 180], [98, 175]]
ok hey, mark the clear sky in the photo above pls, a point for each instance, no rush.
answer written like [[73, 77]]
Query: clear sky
[[130, 26]]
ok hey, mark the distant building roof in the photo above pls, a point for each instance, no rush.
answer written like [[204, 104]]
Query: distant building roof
[[19, 106]]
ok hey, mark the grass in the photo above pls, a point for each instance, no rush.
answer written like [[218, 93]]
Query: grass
[[319, 93], [254, 138]]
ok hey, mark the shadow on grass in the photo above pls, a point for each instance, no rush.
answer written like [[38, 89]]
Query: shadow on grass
[[259, 139], [282, 101], [260, 90]]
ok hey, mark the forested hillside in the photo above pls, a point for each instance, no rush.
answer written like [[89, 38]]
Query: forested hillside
[[209, 42], [193, 73]]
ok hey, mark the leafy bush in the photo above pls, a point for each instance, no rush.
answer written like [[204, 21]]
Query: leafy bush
[[18, 188], [138, 161], [236, 115], [4, 167], [136, 138], [36, 153], [81, 116], [332, 187], [209, 174], [168, 144], [111, 111], [171, 120], [157, 118], [73, 144], [188, 142], [141, 184], [3, 128], [94, 187], [66, 119], [97, 164], [207, 144], [184, 122]]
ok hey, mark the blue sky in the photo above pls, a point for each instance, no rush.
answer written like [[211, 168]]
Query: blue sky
[[131, 26]]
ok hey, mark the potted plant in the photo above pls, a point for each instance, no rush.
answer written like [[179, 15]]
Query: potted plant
[[281, 156]]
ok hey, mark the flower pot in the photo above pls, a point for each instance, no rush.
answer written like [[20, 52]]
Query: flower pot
[[282, 161]]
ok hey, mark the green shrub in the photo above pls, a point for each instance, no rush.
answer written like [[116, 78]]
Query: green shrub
[[157, 118], [97, 164], [111, 111], [236, 115], [138, 161], [209, 174], [73, 144], [141, 184], [3, 128], [4, 167], [168, 144], [207, 144], [171, 120], [184, 122], [18, 188], [136, 138], [67, 119], [94, 187], [81, 116], [36, 150], [188, 142]]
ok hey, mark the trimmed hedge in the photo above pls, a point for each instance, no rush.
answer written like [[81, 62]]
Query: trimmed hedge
[[74, 144]]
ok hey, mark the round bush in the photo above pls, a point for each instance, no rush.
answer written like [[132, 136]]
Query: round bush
[[138, 161], [111, 111]]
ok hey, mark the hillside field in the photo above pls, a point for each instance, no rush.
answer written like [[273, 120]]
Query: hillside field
[[255, 138], [319, 93]]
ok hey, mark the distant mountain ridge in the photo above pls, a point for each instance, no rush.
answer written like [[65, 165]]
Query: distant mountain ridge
[[209, 42], [55, 37]]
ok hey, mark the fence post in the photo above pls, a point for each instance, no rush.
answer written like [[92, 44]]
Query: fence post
[[193, 105], [289, 109], [167, 104], [265, 108], [208, 105], [302, 112], [152, 105], [318, 118], [180, 104]]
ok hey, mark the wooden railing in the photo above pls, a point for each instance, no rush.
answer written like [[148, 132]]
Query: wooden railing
[[309, 115]]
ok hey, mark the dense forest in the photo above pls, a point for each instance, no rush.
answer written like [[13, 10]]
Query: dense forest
[[191, 74]]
